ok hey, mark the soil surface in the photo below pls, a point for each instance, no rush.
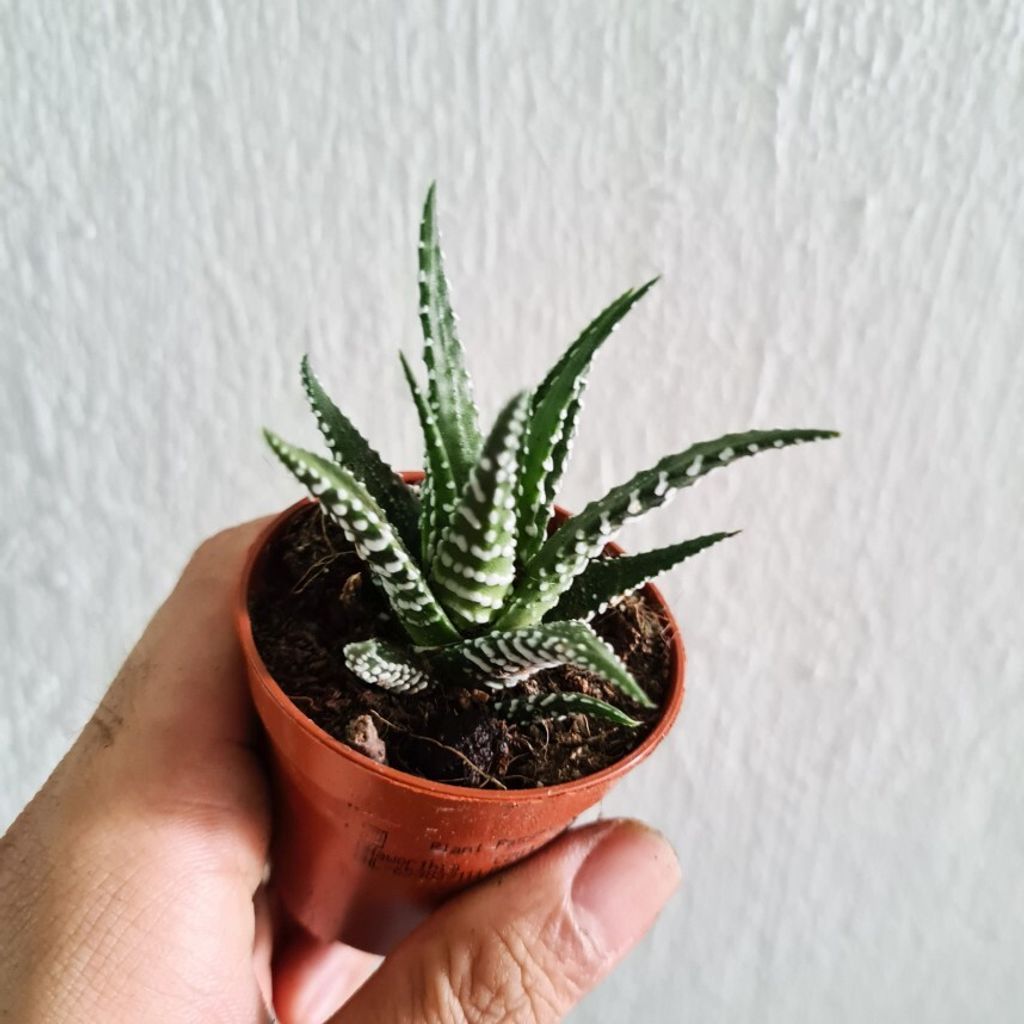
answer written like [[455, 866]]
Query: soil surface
[[313, 596]]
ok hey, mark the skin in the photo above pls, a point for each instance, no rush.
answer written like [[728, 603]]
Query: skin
[[132, 888]]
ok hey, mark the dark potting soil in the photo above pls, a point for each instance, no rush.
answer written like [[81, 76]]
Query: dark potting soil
[[313, 597]]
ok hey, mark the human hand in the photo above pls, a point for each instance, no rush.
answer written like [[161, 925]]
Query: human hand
[[131, 887]]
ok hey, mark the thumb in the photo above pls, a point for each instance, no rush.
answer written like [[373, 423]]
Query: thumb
[[529, 943]]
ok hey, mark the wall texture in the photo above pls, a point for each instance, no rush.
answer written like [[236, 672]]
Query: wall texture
[[195, 193]]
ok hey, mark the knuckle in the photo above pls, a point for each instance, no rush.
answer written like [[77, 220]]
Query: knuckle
[[218, 559], [212, 548], [525, 972], [212, 564]]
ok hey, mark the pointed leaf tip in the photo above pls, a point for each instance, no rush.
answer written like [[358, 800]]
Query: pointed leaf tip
[[556, 408], [555, 706], [353, 453], [449, 392], [609, 578], [567, 552], [375, 540]]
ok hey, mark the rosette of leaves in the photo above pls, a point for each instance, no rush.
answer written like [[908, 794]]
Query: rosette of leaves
[[485, 592]]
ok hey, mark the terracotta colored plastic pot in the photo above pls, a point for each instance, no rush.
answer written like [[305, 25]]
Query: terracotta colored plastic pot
[[363, 852]]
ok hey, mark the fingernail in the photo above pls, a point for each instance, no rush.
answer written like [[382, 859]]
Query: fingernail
[[623, 883]]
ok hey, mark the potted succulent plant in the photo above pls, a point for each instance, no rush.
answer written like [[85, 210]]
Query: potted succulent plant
[[445, 664]]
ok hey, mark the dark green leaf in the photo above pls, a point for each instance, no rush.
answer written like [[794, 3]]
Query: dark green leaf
[[376, 541], [437, 492], [609, 577], [475, 561], [540, 706], [386, 665], [351, 450], [505, 657], [568, 551], [553, 418], [448, 388]]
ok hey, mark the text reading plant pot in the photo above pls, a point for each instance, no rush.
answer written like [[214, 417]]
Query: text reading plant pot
[[455, 671]]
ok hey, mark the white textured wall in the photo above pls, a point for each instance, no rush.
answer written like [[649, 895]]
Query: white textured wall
[[193, 193]]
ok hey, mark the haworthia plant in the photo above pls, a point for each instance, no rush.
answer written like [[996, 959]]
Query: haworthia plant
[[485, 594]]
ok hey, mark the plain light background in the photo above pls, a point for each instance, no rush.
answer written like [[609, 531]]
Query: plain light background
[[195, 193]]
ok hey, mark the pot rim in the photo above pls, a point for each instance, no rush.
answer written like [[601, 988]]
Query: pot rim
[[416, 783]]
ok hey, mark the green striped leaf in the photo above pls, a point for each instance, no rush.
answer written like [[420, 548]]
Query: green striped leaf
[[386, 665], [449, 393], [437, 492], [554, 706], [568, 551], [505, 657], [351, 450], [375, 541], [474, 566], [610, 577], [553, 419]]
